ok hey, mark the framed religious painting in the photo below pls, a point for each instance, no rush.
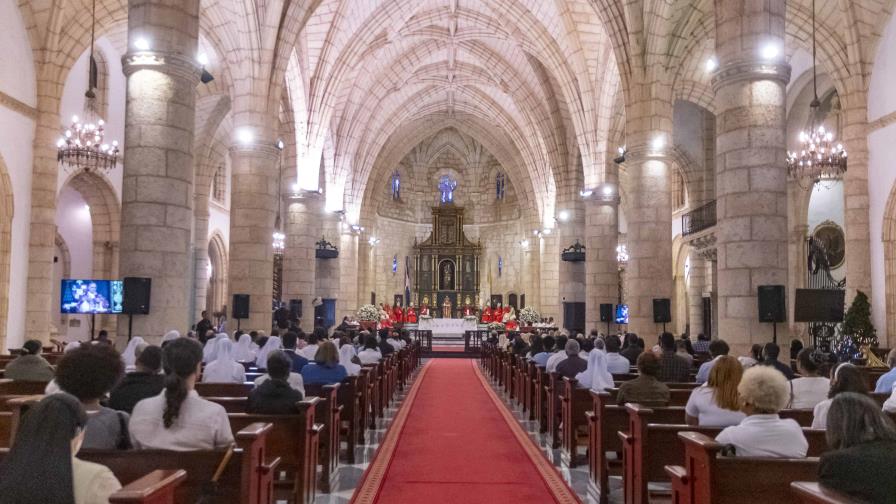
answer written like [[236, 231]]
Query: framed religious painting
[[830, 234]]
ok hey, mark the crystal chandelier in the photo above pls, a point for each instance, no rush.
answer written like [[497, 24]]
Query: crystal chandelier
[[278, 236], [819, 157], [279, 242], [622, 254], [83, 146]]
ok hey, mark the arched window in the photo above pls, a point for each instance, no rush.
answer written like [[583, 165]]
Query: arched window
[[395, 185], [219, 185], [499, 186], [679, 192]]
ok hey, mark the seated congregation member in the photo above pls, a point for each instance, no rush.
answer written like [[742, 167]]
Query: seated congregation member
[[383, 345], [270, 344], [142, 383], [394, 340], [632, 348], [210, 350], [646, 389], [89, 373], [170, 336], [243, 351], [701, 346], [294, 379], [42, 466], [131, 351], [573, 364], [178, 419], [716, 403], [326, 368], [536, 346], [290, 339], [809, 389], [673, 367], [547, 349], [845, 377], [370, 354], [275, 396], [349, 360], [616, 363], [559, 354], [595, 376], [795, 347], [318, 335], [29, 366], [763, 393], [681, 348], [770, 353], [224, 369], [755, 357], [886, 381], [717, 348], [862, 453]]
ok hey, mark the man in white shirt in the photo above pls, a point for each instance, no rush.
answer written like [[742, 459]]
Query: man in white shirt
[[315, 337], [558, 356], [764, 391], [616, 364], [717, 348]]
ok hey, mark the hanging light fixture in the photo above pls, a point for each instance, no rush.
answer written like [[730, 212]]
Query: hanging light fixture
[[819, 156], [279, 237], [83, 146]]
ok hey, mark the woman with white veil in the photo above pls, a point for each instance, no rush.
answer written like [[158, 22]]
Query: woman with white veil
[[224, 369], [210, 350], [169, 336], [596, 377], [243, 351], [273, 343], [129, 356], [346, 353]]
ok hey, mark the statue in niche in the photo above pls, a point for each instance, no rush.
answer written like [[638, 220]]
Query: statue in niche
[[446, 276], [446, 189], [446, 308]]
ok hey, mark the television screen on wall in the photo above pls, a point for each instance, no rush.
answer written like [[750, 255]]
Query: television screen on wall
[[91, 296], [622, 314]]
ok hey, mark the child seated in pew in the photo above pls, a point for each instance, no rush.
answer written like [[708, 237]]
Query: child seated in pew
[[178, 419], [224, 369], [646, 389], [717, 403], [275, 396], [325, 369], [763, 393], [89, 373], [42, 465], [863, 450]]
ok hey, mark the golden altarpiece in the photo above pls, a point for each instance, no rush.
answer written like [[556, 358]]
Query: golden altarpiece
[[447, 265]]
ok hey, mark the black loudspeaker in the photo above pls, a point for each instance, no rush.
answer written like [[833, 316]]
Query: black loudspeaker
[[136, 295], [606, 312], [662, 312], [240, 306], [818, 305], [295, 309], [771, 303]]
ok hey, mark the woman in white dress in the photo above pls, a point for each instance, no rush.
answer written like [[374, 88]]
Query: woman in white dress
[[809, 389], [224, 369], [346, 353], [210, 350], [129, 356], [717, 403], [273, 343], [596, 376], [243, 351]]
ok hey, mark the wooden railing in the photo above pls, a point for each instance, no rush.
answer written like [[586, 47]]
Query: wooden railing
[[698, 219]]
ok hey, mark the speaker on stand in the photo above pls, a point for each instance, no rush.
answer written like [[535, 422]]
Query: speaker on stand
[[662, 311], [772, 308], [135, 299], [240, 308], [606, 314]]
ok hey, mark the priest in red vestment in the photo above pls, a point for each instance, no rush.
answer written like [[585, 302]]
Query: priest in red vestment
[[397, 315], [487, 315], [424, 311], [411, 317]]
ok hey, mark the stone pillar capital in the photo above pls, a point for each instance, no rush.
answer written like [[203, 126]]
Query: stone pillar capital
[[750, 70], [173, 64], [255, 149]]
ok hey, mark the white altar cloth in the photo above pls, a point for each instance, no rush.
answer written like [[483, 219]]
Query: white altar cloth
[[447, 327]]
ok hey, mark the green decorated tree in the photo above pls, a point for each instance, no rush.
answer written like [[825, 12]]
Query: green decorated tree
[[857, 329]]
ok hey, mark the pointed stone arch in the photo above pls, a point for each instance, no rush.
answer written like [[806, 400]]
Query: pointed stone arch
[[6, 214], [216, 293], [888, 236]]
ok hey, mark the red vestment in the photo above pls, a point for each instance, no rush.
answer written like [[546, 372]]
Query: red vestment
[[397, 315], [487, 315], [411, 317]]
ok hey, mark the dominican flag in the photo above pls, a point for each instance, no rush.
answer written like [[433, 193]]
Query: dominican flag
[[407, 281]]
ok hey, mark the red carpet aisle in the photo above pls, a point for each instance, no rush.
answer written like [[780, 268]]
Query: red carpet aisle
[[454, 442]]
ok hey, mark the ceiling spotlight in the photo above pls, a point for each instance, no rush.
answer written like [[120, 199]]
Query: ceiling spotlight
[[142, 44], [563, 215], [547, 231], [373, 240], [607, 190], [295, 188], [711, 64], [245, 136], [658, 143], [524, 244], [586, 193], [280, 144], [770, 51], [202, 58], [621, 157]]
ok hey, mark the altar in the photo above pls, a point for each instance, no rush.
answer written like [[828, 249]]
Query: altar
[[447, 326]]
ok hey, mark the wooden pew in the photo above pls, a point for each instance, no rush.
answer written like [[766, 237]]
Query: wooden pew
[[574, 402], [529, 389], [373, 399], [649, 445], [231, 404], [157, 487], [22, 388], [552, 397], [807, 492], [541, 401], [224, 389], [294, 439], [604, 421], [708, 478], [349, 400], [328, 413]]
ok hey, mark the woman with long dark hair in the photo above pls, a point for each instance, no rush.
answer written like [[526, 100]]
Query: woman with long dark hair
[[845, 377], [41, 465], [178, 419]]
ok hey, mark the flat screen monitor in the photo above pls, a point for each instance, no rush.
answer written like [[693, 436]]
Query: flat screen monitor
[[818, 305], [91, 296], [622, 314]]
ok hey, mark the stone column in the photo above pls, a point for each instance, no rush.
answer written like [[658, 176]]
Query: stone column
[[303, 230], [751, 178], [254, 200], [350, 275], [157, 187], [649, 237], [857, 226], [549, 278], [601, 266], [571, 275], [200, 255], [696, 286]]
